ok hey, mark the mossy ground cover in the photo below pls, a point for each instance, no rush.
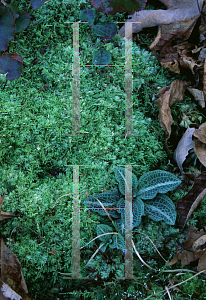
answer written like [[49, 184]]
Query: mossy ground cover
[[36, 144]]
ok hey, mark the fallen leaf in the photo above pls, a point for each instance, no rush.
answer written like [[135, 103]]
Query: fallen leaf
[[190, 63], [178, 11], [177, 56], [170, 63], [199, 242], [192, 239], [11, 273], [167, 97], [199, 141], [204, 80], [187, 204], [183, 147], [198, 96], [6, 215], [172, 34], [202, 263]]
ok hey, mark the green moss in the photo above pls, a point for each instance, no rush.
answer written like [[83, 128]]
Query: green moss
[[194, 288], [36, 138]]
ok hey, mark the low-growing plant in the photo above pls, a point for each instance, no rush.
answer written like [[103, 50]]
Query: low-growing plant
[[106, 31], [16, 20], [150, 188]]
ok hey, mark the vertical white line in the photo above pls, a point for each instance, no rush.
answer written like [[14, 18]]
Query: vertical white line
[[128, 223], [76, 226], [76, 82], [128, 79]]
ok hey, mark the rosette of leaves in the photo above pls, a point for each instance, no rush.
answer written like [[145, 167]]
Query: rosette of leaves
[[147, 196]]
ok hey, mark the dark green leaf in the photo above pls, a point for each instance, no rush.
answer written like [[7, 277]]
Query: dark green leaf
[[105, 30], [87, 15], [101, 57]]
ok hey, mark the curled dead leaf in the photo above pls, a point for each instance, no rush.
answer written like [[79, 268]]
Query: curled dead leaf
[[170, 95], [198, 96], [11, 273], [199, 242], [170, 64], [187, 204], [204, 80], [190, 63], [183, 147], [168, 32], [187, 257], [177, 11], [199, 140]]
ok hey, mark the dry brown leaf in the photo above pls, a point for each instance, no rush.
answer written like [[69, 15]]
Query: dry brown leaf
[[184, 56], [200, 133], [196, 202], [183, 147], [154, 44], [199, 242], [198, 96], [172, 94], [204, 80], [175, 55], [170, 64], [197, 49], [178, 11], [165, 116], [6, 215], [190, 63], [187, 204], [11, 273], [202, 263], [162, 91], [199, 141], [186, 257], [168, 33]]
